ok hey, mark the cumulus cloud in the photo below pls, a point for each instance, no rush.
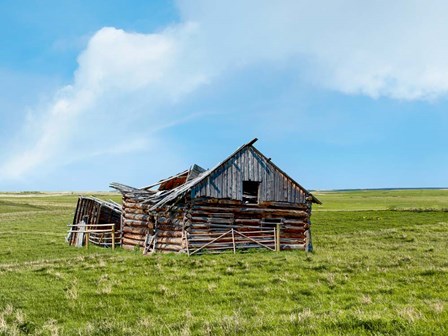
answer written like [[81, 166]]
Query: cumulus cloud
[[378, 48], [120, 78]]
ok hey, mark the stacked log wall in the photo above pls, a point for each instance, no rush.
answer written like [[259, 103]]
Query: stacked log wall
[[137, 222], [170, 229], [211, 216]]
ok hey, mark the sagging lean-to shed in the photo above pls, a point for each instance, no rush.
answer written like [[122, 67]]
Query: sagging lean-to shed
[[245, 201]]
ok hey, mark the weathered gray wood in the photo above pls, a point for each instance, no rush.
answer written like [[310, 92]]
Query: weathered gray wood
[[136, 205], [135, 216], [170, 240], [254, 210], [134, 236], [136, 230], [226, 182], [132, 242], [167, 233], [168, 247], [216, 220], [131, 222], [286, 205], [214, 205], [246, 221]]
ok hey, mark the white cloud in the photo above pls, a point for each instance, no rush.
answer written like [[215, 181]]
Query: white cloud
[[121, 76], [377, 48]]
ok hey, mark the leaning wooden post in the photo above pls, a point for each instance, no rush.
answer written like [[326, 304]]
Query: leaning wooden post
[[186, 241], [233, 240], [113, 237], [277, 240], [85, 219]]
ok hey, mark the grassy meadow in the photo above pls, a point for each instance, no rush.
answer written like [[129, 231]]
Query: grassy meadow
[[380, 267]]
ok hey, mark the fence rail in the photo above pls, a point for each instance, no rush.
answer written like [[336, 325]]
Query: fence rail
[[233, 240], [96, 234]]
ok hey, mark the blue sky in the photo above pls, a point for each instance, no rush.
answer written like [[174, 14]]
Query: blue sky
[[341, 94]]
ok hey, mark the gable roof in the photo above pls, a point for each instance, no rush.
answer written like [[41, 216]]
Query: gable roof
[[161, 198], [314, 199]]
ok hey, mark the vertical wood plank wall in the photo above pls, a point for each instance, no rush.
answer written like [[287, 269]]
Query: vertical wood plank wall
[[98, 212], [247, 165]]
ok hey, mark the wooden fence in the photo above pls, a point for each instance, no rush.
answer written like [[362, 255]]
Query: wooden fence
[[98, 234], [233, 240]]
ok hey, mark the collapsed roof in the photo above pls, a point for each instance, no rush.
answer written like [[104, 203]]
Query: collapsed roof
[[173, 188]]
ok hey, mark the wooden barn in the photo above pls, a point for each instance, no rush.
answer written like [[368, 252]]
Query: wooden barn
[[246, 201]]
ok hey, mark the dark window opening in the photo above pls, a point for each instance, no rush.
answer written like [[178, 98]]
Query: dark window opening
[[250, 192]]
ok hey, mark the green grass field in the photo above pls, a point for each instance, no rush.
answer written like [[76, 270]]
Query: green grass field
[[380, 267]]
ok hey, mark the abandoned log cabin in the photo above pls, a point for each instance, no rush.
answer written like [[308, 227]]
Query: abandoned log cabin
[[246, 201]]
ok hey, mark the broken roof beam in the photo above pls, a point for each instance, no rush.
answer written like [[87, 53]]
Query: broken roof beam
[[254, 140], [165, 180]]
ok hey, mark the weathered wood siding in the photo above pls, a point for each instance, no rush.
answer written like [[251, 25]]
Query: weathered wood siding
[[96, 211], [170, 230], [248, 165], [137, 222], [214, 216]]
